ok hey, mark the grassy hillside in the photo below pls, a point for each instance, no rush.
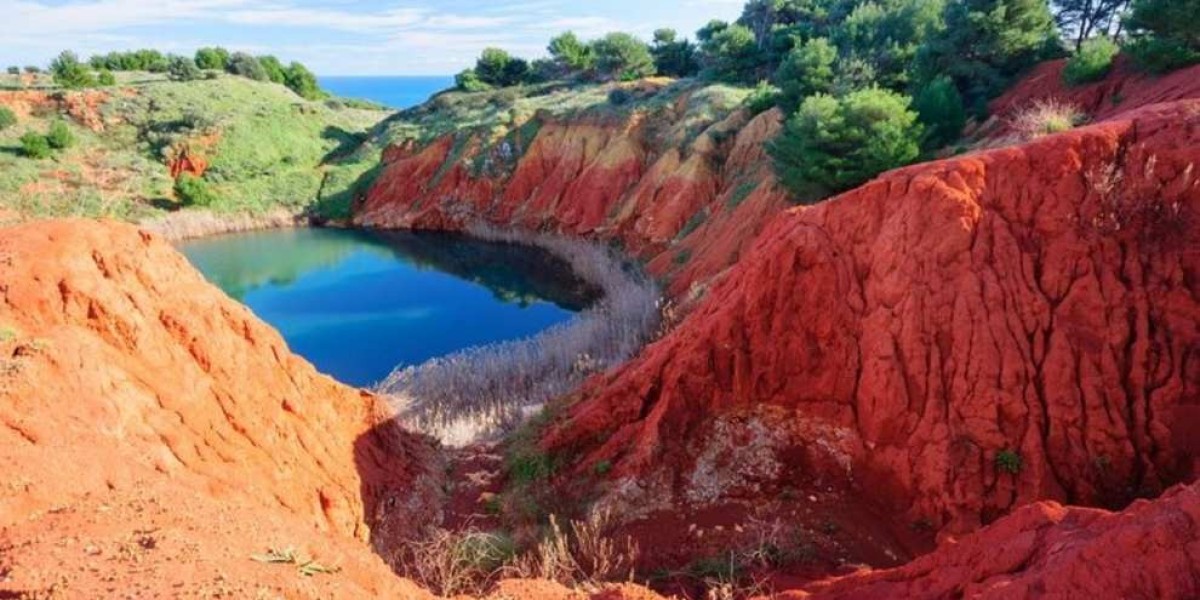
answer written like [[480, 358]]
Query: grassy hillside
[[264, 147]]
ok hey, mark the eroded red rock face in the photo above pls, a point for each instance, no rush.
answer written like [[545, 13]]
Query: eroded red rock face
[[154, 434], [956, 339], [639, 179], [1046, 550]]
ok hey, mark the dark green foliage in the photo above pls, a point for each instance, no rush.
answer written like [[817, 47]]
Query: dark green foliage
[[14, 70], [135, 60], [1092, 62], [1166, 34], [491, 67], [194, 191], [1009, 461], [1081, 19], [674, 57], [833, 144], [32, 70], [299, 79], [35, 146], [985, 43], [246, 65], [807, 70], [764, 97], [692, 224], [602, 467], [940, 109], [60, 136], [516, 71], [887, 34], [731, 53], [623, 57], [468, 81], [619, 96], [276, 73], [212, 58], [182, 68], [740, 194], [68, 72], [7, 118], [571, 54]]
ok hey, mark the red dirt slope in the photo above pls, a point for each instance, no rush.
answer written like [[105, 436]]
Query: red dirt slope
[[956, 339], [154, 434], [638, 179]]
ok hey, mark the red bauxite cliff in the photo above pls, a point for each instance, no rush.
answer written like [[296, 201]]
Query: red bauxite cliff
[[154, 434]]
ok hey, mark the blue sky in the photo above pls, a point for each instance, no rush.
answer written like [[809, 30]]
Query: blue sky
[[336, 37]]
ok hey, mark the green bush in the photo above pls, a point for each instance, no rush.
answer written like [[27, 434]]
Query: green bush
[[764, 97], [34, 145], [1009, 461], [247, 66], [32, 70], [1166, 34], [105, 78], [276, 73], [731, 52], [7, 118], [623, 57], [468, 81], [299, 79], [14, 70], [1092, 62], [806, 70], [572, 54], [68, 72], [60, 137], [673, 57], [212, 58], [833, 144], [492, 67], [182, 68], [941, 110], [193, 191]]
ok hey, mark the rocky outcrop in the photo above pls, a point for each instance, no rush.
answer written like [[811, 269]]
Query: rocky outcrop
[[957, 339], [682, 189], [155, 435], [1046, 550]]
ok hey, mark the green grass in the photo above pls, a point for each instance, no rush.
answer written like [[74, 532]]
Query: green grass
[[266, 148]]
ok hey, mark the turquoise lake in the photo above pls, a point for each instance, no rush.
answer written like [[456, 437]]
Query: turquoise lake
[[393, 92], [357, 304]]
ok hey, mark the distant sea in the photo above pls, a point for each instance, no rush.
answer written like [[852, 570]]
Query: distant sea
[[394, 92]]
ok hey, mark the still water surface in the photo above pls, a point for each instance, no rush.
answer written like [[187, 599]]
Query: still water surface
[[358, 303]]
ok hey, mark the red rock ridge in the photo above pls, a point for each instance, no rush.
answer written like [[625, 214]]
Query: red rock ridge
[[638, 179], [154, 434], [1035, 303]]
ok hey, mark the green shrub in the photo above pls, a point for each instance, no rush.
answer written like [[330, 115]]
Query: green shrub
[[1092, 62], [764, 97], [68, 72], [622, 56], [194, 191], [32, 70], [731, 52], [7, 118], [571, 54], [602, 468], [212, 58], [14, 70], [619, 96], [1166, 34], [940, 109], [806, 70], [299, 79], [468, 81], [276, 73], [834, 144], [1008, 461], [673, 57], [105, 78], [247, 66], [60, 137], [34, 145], [182, 68]]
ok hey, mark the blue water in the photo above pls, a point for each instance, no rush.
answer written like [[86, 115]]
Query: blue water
[[358, 304], [394, 92]]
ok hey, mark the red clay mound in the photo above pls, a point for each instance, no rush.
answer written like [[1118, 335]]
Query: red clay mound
[[1123, 90], [955, 339], [1151, 550], [155, 435]]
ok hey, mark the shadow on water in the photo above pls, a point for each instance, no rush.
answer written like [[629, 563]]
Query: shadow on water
[[514, 273]]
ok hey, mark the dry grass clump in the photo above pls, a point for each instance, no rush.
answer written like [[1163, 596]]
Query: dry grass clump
[[1046, 117], [484, 392], [191, 224], [585, 555]]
